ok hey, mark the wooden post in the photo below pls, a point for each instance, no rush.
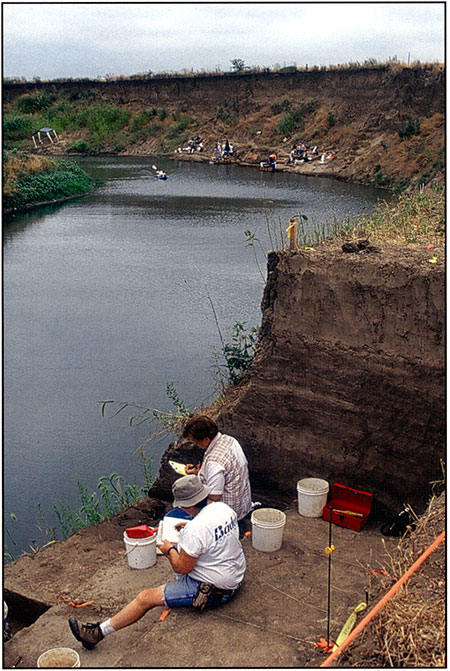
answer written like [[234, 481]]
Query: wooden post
[[292, 233]]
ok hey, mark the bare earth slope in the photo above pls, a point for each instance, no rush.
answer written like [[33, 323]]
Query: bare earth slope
[[359, 114]]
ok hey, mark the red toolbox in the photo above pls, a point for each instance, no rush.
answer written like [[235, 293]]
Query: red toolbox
[[348, 507]]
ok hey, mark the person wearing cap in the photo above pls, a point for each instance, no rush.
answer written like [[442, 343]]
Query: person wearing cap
[[224, 467], [208, 561]]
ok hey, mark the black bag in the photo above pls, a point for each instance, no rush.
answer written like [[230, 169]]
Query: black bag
[[398, 526]]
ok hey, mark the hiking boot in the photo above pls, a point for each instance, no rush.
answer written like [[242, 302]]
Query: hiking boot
[[88, 634]]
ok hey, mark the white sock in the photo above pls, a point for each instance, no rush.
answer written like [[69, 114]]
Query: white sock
[[107, 628]]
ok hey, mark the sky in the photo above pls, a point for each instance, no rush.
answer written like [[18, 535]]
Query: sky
[[51, 40]]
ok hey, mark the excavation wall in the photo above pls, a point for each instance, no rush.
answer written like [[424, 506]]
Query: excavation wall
[[348, 384]]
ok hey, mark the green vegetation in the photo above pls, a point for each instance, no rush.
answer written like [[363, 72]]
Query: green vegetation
[[331, 119], [382, 180], [238, 65], [143, 119], [105, 125], [410, 127], [29, 180], [33, 103], [234, 360], [294, 120], [229, 112], [417, 218], [16, 127], [284, 106], [80, 147], [114, 495], [412, 218]]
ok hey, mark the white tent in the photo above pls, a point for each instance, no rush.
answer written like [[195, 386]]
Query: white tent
[[42, 133]]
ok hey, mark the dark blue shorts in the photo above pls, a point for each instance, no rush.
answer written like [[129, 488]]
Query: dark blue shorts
[[183, 590]]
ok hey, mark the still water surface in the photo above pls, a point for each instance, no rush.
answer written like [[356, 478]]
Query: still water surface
[[107, 298]]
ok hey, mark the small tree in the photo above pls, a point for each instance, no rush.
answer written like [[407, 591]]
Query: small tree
[[238, 64]]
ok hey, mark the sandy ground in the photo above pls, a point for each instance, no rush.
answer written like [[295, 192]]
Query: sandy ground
[[274, 621]]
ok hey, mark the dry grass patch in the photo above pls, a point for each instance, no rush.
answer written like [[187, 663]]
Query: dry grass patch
[[410, 631], [19, 165]]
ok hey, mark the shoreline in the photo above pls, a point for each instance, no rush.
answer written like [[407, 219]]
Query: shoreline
[[30, 206]]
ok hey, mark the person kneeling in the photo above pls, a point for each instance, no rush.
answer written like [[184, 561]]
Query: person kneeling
[[208, 561]]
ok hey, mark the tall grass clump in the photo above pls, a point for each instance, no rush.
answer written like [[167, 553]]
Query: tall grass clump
[[30, 103], [113, 496], [16, 127], [414, 218]]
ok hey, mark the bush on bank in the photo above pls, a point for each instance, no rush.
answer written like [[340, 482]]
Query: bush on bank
[[29, 180]]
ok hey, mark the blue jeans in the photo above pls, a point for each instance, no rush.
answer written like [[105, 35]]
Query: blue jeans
[[182, 591]]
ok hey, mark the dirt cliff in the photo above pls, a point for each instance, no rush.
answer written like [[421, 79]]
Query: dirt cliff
[[349, 381], [384, 125]]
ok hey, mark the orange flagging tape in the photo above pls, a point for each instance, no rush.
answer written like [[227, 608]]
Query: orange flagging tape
[[382, 602], [164, 614]]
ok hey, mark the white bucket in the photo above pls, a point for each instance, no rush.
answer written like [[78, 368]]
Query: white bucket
[[140, 552], [59, 658], [267, 529], [312, 496]]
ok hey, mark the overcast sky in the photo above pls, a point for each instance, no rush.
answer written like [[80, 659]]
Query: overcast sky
[[93, 39]]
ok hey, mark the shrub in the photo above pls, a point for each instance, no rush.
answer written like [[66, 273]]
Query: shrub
[[331, 119], [410, 127], [28, 104], [57, 179], [17, 127], [238, 354], [80, 147], [294, 121], [223, 114], [143, 119]]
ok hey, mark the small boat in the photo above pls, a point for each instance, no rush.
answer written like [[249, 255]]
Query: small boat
[[267, 167]]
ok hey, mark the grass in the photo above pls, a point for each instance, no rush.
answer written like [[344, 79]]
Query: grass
[[112, 496], [410, 631], [414, 218], [31, 179], [105, 125]]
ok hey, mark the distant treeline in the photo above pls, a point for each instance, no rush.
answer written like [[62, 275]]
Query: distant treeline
[[239, 70]]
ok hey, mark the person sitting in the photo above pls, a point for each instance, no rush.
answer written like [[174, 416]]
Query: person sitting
[[292, 153], [208, 561], [224, 467]]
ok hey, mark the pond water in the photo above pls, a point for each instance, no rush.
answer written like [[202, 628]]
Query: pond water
[[112, 296]]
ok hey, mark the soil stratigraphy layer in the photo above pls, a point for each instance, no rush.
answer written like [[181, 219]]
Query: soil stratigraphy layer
[[348, 383]]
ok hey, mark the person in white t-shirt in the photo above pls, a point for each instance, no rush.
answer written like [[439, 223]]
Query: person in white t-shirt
[[224, 467], [208, 561]]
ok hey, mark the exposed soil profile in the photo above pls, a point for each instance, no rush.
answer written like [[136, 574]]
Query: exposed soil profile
[[349, 381]]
